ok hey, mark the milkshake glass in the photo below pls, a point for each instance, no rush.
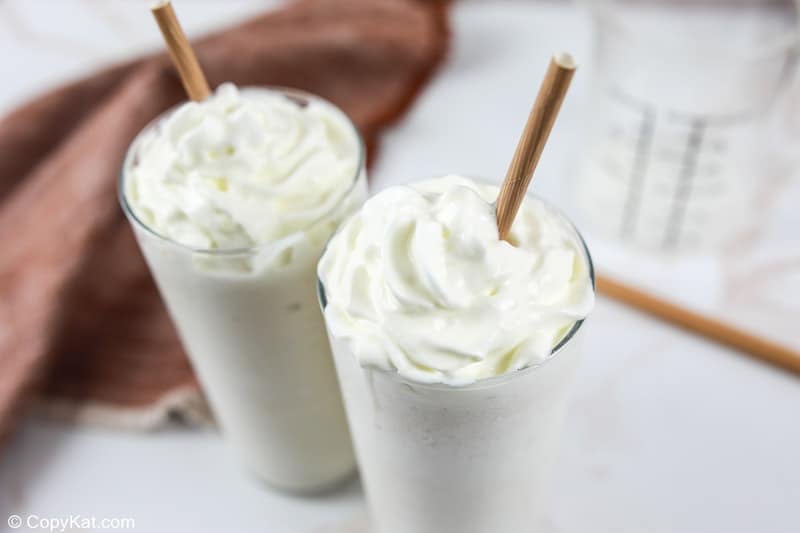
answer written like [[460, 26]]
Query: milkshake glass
[[247, 315], [468, 457]]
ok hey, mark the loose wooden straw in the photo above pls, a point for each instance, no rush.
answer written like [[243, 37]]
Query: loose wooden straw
[[194, 82], [758, 347], [540, 122], [534, 136]]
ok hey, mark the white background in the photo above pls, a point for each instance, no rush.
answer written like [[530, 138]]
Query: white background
[[666, 432]]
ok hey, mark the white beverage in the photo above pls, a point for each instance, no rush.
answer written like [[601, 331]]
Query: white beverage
[[455, 352], [232, 201]]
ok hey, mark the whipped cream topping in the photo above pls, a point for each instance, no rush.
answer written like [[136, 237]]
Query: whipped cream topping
[[242, 168], [419, 282]]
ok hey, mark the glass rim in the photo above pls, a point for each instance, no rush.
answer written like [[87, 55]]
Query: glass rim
[[508, 376], [783, 42], [259, 247]]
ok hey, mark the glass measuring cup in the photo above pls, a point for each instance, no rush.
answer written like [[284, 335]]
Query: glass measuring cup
[[681, 96]]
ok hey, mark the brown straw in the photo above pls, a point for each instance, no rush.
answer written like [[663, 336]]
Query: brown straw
[[534, 136], [722, 333], [540, 122], [181, 52]]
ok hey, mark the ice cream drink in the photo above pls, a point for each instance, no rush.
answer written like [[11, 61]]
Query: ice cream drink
[[455, 351], [232, 200]]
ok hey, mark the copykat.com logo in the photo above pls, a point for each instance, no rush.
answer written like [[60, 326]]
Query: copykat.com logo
[[74, 522]]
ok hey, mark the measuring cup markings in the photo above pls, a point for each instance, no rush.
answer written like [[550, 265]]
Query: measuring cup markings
[[645, 136], [643, 144], [684, 187]]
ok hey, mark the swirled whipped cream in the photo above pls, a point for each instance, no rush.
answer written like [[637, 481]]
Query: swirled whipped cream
[[419, 282], [243, 167]]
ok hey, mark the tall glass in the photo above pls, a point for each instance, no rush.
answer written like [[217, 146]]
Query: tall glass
[[473, 459], [249, 321], [678, 119]]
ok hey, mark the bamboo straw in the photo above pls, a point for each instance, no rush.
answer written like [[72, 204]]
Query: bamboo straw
[[534, 136], [716, 330], [515, 186], [194, 82]]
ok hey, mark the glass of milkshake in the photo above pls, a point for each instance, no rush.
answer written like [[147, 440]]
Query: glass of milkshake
[[455, 351], [232, 201]]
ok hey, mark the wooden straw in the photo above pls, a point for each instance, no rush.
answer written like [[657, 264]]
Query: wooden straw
[[720, 332], [194, 82], [534, 136]]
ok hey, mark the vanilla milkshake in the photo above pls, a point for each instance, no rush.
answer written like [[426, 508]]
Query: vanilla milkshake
[[232, 201], [455, 351]]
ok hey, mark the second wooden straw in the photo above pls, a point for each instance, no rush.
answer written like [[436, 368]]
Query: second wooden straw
[[194, 82], [531, 142], [515, 186]]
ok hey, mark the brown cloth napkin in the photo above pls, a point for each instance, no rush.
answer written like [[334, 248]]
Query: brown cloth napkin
[[82, 326]]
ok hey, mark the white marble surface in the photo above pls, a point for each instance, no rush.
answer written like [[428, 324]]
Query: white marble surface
[[666, 433]]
